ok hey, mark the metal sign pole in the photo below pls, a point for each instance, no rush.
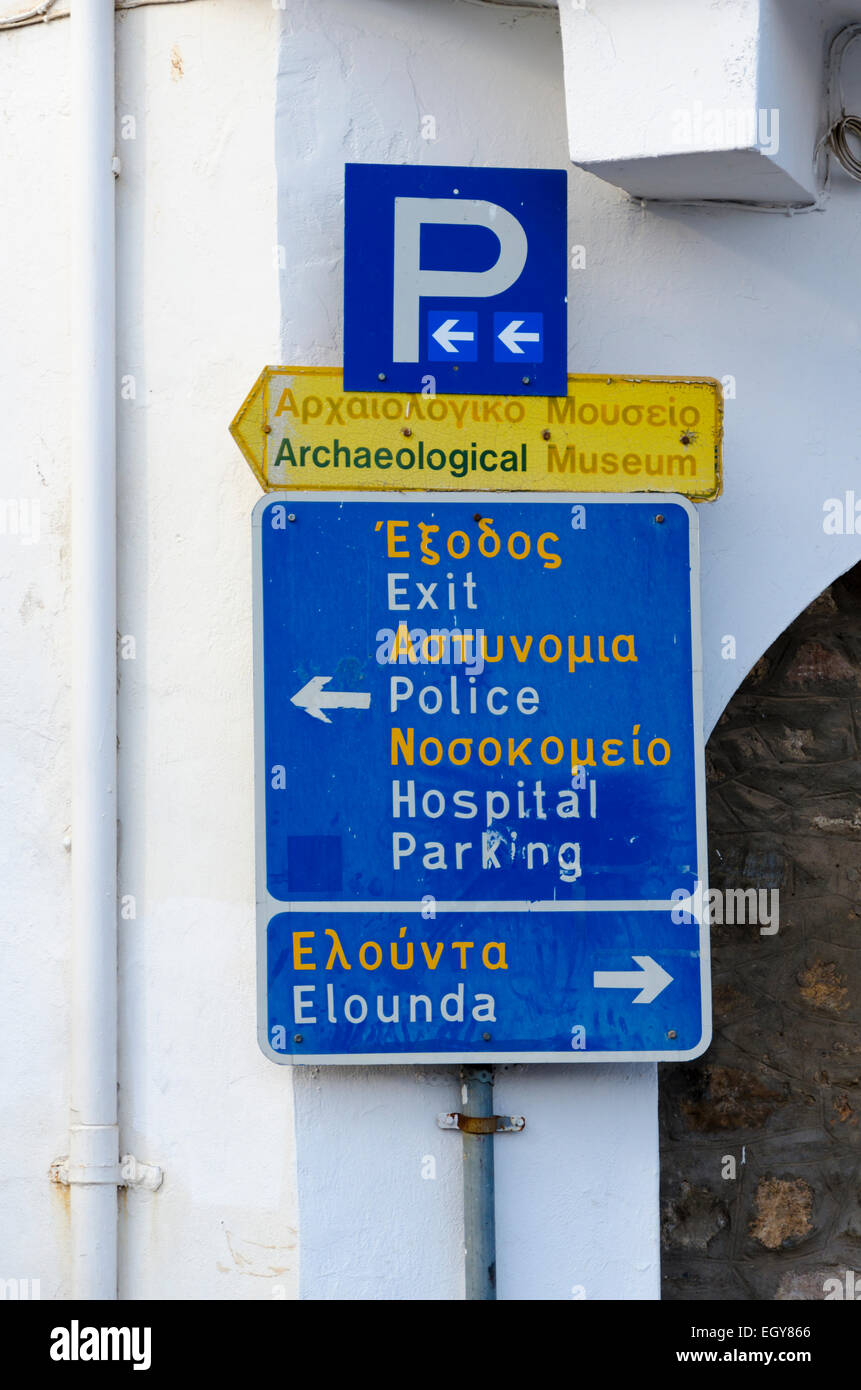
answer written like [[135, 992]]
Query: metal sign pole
[[479, 1218]]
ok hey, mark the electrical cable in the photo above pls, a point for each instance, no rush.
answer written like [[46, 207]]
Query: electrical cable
[[838, 143], [514, 4], [841, 126], [34, 16], [45, 13]]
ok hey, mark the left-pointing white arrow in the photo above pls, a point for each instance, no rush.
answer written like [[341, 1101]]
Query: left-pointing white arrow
[[512, 339], [313, 699], [447, 338], [650, 979]]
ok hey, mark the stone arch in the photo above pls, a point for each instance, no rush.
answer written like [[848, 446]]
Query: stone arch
[[761, 1137]]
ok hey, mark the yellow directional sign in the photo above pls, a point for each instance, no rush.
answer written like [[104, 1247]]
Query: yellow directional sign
[[300, 428]]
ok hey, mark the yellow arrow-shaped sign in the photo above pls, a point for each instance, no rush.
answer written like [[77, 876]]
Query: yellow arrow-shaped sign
[[298, 427]]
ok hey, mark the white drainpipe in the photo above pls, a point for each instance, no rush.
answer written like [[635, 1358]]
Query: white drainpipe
[[93, 1162]]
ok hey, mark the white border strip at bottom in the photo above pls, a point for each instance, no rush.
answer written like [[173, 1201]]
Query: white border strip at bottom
[[471, 905], [490, 1059]]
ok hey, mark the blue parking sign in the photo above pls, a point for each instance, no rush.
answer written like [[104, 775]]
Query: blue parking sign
[[480, 779], [455, 280]]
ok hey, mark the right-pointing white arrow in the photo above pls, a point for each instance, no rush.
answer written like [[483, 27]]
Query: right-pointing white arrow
[[650, 979], [512, 339], [447, 338]]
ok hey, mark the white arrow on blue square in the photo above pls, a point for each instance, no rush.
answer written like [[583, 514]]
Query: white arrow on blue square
[[518, 337], [452, 335]]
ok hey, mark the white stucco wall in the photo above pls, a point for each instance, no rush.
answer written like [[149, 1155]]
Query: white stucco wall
[[34, 692], [198, 312], [227, 95]]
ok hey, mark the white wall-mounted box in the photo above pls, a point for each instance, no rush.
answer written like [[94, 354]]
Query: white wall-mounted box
[[696, 99]]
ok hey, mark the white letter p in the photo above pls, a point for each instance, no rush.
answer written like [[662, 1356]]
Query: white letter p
[[412, 284]]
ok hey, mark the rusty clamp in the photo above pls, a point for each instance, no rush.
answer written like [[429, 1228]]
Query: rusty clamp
[[482, 1124]]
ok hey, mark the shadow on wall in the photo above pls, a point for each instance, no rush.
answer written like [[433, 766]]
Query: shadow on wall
[[761, 1137]]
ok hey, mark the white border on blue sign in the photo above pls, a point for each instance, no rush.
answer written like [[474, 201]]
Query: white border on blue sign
[[267, 906]]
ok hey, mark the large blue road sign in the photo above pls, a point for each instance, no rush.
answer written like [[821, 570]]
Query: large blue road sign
[[455, 280], [479, 774]]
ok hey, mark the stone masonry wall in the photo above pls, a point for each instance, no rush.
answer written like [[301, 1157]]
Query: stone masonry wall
[[761, 1137]]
